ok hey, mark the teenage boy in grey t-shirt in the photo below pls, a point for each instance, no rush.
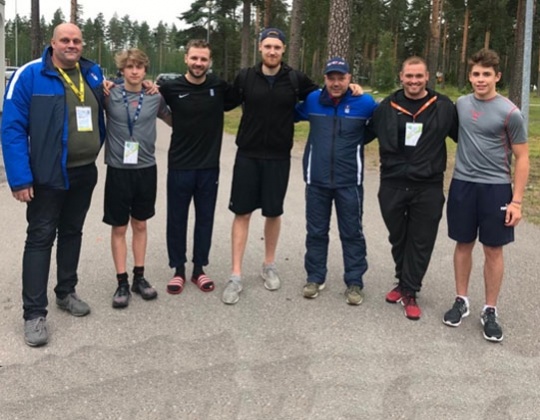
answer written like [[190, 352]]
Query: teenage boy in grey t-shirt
[[131, 183], [481, 200]]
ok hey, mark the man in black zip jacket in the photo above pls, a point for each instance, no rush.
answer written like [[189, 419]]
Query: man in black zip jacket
[[264, 140], [412, 125]]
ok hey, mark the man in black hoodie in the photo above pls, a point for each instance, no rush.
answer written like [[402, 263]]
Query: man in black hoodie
[[412, 125], [265, 138]]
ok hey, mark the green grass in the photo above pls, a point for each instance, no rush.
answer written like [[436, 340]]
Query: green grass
[[531, 205]]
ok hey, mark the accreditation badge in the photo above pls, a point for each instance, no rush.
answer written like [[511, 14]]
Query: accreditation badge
[[131, 152], [84, 118], [413, 131]]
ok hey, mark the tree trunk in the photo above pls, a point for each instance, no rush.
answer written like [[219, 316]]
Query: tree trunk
[[267, 13], [444, 58], [487, 38], [339, 28], [295, 38], [462, 73], [246, 26], [73, 16], [538, 76], [434, 42], [36, 38], [516, 70]]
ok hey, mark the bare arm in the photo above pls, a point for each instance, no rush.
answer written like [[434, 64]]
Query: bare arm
[[168, 120], [521, 175]]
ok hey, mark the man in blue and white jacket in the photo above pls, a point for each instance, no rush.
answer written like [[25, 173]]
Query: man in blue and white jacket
[[333, 172], [52, 131]]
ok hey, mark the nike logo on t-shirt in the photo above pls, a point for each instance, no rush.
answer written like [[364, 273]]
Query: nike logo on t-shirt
[[183, 96]]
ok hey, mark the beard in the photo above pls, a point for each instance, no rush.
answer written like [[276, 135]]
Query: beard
[[199, 75], [271, 63]]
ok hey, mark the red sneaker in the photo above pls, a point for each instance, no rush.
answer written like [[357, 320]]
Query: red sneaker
[[394, 295], [410, 307]]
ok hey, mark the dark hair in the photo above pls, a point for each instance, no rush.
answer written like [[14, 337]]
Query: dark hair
[[198, 43], [485, 58]]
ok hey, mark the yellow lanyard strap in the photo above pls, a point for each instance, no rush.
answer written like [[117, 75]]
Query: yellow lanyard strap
[[78, 92]]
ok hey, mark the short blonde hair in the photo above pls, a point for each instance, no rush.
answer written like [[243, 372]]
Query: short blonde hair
[[133, 54]]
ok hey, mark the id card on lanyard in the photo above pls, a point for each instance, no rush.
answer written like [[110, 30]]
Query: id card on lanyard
[[413, 130], [131, 147]]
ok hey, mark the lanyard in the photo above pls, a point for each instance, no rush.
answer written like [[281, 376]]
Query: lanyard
[[422, 109], [78, 92], [137, 111]]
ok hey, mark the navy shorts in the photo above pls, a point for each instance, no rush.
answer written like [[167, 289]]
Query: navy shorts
[[259, 183], [476, 209], [129, 192]]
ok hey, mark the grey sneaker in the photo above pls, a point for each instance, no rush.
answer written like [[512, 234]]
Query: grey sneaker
[[354, 294], [271, 277], [122, 296], [35, 332], [74, 305], [311, 289], [231, 294]]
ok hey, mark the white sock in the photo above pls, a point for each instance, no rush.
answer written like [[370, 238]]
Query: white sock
[[465, 298], [490, 306]]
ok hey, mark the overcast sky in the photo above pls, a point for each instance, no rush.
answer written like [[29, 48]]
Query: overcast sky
[[152, 11]]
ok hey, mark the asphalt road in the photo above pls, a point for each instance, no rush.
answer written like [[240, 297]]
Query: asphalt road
[[274, 355]]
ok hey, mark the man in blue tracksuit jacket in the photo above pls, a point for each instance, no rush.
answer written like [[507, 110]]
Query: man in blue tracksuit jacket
[[333, 171], [52, 131]]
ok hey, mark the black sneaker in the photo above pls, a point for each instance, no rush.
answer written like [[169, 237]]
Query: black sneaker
[[121, 296], [459, 311], [143, 288], [492, 329]]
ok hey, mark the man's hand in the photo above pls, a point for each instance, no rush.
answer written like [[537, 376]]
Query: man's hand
[[107, 86], [513, 214], [150, 88], [24, 196], [356, 89]]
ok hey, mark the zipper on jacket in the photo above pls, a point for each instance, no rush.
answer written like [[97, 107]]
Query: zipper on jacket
[[333, 151], [266, 143]]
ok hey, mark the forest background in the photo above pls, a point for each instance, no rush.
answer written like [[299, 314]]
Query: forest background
[[374, 35]]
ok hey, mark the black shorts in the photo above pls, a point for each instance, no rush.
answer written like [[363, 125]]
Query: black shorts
[[259, 183], [475, 209], [129, 192]]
